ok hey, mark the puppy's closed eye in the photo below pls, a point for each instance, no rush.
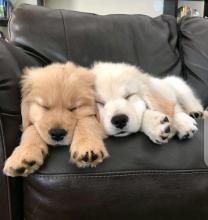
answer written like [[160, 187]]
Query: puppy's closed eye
[[76, 107], [129, 96], [40, 102], [45, 107], [101, 103], [72, 109]]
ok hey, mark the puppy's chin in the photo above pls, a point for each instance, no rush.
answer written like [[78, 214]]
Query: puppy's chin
[[111, 131], [117, 133], [122, 134]]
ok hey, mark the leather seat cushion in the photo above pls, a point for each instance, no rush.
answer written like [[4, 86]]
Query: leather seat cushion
[[60, 35], [140, 180], [194, 52]]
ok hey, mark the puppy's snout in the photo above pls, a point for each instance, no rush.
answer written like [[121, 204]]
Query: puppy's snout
[[57, 134], [119, 121]]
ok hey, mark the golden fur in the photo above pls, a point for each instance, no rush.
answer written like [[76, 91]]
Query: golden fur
[[57, 96], [157, 102]]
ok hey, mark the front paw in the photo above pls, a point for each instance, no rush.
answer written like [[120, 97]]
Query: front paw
[[196, 114], [88, 153], [24, 161], [157, 127], [185, 125]]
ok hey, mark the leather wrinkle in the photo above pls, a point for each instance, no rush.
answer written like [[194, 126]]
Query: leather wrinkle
[[65, 35], [34, 53]]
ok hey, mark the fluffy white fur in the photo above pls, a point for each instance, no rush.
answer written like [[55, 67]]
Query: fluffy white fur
[[158, 107]]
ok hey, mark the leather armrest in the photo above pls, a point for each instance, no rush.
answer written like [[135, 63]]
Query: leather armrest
[[12, 61]]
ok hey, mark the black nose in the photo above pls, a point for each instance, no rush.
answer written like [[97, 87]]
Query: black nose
[[57, 134], [119, 121]]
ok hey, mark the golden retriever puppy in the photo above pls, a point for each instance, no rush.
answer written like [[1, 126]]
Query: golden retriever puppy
[[58, 108]]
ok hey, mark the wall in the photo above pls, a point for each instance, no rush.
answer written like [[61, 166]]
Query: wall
[[18, 2], [148, 7]]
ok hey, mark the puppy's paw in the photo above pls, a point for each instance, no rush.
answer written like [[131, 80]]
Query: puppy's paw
[[197, 114], [157, 127], [24, 161], [185, 125], [88, 154], [161, 131]]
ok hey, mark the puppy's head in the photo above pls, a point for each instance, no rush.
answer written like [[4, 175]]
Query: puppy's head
[[118, 90], [54, 98]]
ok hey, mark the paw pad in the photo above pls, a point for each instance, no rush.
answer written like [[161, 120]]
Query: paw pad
[[196, 114], [160, 131], [29, 163], [85, 158], [20, 170], [167, 130], [93, 156], [90, 157], [164, 138], [165, 120], [186, 136]]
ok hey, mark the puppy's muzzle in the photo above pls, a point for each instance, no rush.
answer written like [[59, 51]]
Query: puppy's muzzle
[[57, 134], [119, 121]]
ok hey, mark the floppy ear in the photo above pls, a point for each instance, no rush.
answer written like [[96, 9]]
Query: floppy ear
[[26, 87], [97, 114], [155, 101]]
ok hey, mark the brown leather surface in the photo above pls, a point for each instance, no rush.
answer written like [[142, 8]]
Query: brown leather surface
[[135, 153], [60, 35], [12, 61], [141, 195], [11, 189], [194, 51], [4, 198], [140, 180]]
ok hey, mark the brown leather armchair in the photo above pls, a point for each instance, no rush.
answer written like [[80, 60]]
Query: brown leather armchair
[[140, 180]]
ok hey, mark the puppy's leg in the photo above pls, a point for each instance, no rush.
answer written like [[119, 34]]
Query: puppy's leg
[[28, 156], [87, 148], [185, 125], [186, 97], [157, 126]]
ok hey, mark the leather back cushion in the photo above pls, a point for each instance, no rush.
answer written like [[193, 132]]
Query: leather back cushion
[[194, 48], [60, 35]]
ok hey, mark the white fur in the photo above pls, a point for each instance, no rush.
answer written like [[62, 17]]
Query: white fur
[[115, 81], [113, 84]]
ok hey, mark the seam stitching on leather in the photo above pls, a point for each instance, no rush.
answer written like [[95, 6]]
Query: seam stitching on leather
[[66, 42], [181, 50], [7, 179], [118, 175]]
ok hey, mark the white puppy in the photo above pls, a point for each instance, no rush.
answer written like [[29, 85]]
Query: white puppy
[[130, 100]]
